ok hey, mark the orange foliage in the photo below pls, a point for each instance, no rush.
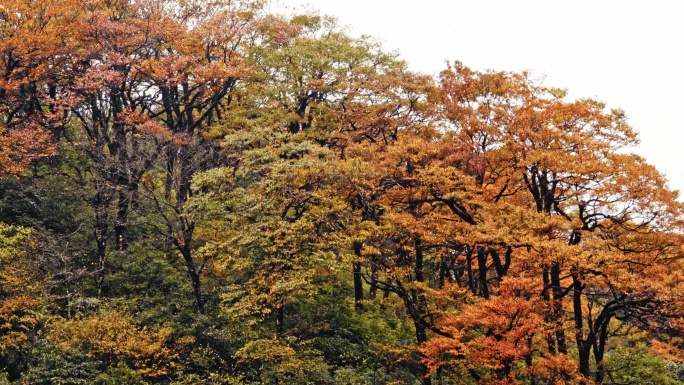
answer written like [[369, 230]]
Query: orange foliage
[[525, 201]]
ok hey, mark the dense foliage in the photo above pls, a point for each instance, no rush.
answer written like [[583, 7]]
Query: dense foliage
[[200, 192]]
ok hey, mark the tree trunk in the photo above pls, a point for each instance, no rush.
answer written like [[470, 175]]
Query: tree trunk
[[358, 287], [421, 337], [194, 276], [122, 220], [421, 307], [529, 361], [373, 290], [599, 350], [443, 272], [550, 340], [358, 281], [101, 234], [558, 312], [482, 270], [583, 343], [469, 267]]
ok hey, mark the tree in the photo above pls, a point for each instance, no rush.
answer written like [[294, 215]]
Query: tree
[[22, 296], [203, 192], [148, 77], [33, 53], [530, 148], [280, 216]]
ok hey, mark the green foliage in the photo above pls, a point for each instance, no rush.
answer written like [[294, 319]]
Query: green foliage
[[13, 241], [635, 365], [39, 204], [48, 366], [207, 379], [149, 283], [240, 198], [121, 374]]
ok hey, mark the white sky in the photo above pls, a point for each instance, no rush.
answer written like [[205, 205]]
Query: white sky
[[629, 54]]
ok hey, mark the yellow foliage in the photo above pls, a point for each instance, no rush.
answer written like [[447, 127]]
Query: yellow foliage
[[113, 337]]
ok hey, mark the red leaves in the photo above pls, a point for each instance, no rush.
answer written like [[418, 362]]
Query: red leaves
[[19, 147]]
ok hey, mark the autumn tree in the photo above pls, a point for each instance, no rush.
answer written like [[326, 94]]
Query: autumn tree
[[144, 81], [530, 148], [202, 192], [34, 54], [314, 93]]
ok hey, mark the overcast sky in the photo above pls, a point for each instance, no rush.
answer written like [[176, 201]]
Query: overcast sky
[[629, 54]]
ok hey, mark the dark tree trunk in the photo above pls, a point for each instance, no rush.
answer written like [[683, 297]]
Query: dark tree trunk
[[528, 360], [101, 234], [420, 307], [599, 350], [194, 275], [482, 271], [558, 312], [501, 268], [550, 340], [358, 280], [373, 290], [120, 226], [358, 287], [443, 272], [469, 267], [421, 337], [170, 171], [185, 172], [419, 262], [583, 346]]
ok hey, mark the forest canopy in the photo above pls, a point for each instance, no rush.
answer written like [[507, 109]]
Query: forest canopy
[[200, 192]]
